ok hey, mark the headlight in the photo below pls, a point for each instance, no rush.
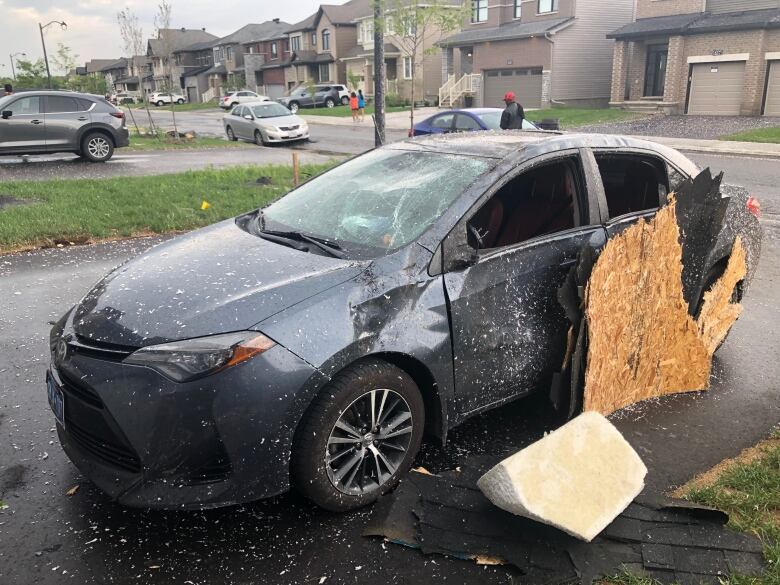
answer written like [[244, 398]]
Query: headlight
[[187, 360]]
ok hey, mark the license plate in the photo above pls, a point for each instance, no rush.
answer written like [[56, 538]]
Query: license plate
[[56, 399]]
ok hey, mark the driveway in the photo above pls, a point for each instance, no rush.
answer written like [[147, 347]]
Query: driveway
[[47, 536], [692, 127]]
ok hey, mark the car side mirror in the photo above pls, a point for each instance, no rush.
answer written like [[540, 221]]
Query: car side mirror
[[7, 114], [249, 117]]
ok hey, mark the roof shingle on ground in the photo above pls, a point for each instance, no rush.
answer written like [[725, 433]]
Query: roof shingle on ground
[[514, 30], [699, 22]]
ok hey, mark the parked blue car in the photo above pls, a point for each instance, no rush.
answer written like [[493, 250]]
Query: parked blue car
[[465, 120]]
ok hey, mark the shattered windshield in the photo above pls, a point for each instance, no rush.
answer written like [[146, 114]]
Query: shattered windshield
[[384, 199]]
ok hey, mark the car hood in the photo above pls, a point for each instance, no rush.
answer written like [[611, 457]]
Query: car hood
[[291, 120], [214, 280]]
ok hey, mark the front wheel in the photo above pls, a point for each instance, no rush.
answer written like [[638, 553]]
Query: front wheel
[[359, 437], [231, 136], [293, 107], [160, 103], [259, 140], [97, 147], [329, 103], [344, 101]]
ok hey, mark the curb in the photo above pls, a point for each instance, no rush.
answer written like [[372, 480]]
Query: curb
[[721, 147]]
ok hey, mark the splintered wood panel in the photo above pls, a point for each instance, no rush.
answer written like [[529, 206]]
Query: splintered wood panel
[[642, 341], [718, 313]]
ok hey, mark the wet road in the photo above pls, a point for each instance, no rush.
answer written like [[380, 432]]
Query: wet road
[[49, 537]]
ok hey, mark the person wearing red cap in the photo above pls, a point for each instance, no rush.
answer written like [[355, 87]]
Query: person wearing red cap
[[513, 115]]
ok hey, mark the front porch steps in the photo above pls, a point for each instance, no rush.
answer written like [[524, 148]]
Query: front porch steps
[[648, 105]]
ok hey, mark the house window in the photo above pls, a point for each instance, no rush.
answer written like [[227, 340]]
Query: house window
[[547, 6], [479, 10], [410, 27], [324, 72], [389, 25], [295, 43], [274, 50], [518, 8], [229, 54], [407, 67], [314, 39], [326, 40]]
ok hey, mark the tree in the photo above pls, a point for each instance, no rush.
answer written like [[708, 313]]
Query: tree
[[417, 26], [133, 38], [64, 59], [162, 22], [32, 75]]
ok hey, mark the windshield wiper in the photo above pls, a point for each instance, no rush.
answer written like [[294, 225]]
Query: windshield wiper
[[330, 248]]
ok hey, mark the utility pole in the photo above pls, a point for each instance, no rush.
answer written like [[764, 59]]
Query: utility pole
[[379, 75], [13, 71], [43, 43]]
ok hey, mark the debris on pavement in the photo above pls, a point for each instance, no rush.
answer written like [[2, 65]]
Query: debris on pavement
[[578, 478], [72, 490], [670, 541]]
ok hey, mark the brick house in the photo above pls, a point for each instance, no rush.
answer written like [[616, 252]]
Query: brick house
[[427, 70], [713, 57], [167, 67], [265, 60], [545, 51], [228, 70], [190, 66], [318, 43]]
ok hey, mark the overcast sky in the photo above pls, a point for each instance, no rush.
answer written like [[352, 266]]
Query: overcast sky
[[93, 33]]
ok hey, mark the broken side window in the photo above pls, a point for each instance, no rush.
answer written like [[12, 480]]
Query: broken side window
[[632, 182], [541, 201]]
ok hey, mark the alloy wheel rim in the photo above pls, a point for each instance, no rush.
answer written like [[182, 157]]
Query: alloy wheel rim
[[98, 147], [369, 442]]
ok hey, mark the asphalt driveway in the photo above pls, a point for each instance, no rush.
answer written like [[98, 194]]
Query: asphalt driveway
[[47, 536]]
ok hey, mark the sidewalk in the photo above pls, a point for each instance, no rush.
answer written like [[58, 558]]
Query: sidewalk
[[393, 120], [722, 147]]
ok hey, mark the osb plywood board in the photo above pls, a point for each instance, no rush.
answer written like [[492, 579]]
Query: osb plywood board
[[642, 341]]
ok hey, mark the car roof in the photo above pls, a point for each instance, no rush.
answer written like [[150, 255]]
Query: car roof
[[500, 144]]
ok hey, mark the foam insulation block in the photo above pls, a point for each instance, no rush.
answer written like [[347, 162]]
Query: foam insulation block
[[578, 478], [643, 343]]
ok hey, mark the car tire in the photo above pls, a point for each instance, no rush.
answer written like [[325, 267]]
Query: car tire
[[345, 101], [294, 106], [180, 102], [330, 103], [337, 469], [97, 147], [233, 104], [159, 103], [259, 140], [231, 136]]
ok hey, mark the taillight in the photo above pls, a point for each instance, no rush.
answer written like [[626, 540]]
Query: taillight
[[754, 207], [119, 115]]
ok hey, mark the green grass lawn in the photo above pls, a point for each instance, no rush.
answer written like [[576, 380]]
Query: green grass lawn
[[573, 117], [185, 107], [83, 210], [345, 111], [165, 143], [758, 135], [748, 489]]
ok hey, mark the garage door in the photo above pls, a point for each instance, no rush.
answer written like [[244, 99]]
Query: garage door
[[716, 88], [772, 104], [526, 83]]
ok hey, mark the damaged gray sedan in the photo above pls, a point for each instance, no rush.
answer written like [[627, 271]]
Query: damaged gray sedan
[[314, 342]]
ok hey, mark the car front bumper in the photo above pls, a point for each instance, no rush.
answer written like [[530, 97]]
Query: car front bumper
[[149, 442], [289, 136]]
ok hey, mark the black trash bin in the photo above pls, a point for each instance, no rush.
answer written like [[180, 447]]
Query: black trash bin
[[468, 101]]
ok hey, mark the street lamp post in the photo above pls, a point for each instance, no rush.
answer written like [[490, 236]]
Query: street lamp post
[[13, 71], [43, 42]]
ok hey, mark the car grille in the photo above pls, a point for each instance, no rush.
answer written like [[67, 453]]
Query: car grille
[[288, 128], [99, 350], [108, 452], [80, 390]]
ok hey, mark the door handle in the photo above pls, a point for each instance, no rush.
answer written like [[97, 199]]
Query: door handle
[[36, 122], [568, 262]]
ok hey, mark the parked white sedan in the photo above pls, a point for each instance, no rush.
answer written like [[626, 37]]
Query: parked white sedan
[[241, 97], [161, 98], [264, 123]]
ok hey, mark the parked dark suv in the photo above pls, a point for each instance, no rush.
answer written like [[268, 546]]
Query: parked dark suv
[[39, 122], [324, 95]]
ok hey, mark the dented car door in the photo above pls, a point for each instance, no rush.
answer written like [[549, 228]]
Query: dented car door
[[504, 262]]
